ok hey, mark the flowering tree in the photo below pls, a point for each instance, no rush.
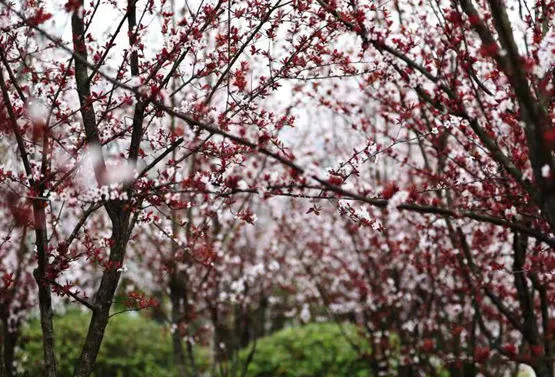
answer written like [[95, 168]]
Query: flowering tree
[[102, 133], [422, 158], [459, 111]]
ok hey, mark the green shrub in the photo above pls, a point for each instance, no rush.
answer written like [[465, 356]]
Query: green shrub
[[309, 351], [133, 346]]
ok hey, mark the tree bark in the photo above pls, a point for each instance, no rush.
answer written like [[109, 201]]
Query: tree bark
[[176, 295], [7, 350], [45, 293], [530, 331], [4, 367], [103, 298], [117, 210]]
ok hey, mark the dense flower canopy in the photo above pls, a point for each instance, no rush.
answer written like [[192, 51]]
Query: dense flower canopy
[[245, 163]]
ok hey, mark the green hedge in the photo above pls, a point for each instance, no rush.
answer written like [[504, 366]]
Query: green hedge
[[133, 346], [309, 351]]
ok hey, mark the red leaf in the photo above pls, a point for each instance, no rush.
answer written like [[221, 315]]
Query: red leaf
[[481, 354], [389, 190], [549, 138], [39, 18]]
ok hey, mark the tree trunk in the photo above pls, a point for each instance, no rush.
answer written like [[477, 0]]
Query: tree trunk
[[104, 297], [262, 317], [4, 367], [45, 294], [176, 296], [530, 329], [7, 352]]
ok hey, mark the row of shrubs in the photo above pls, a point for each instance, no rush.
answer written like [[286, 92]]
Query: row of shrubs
[[135, 346]]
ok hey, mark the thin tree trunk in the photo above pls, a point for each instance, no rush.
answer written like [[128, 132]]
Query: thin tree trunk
[[262, 317], [7, 351], [103, 299], [526, 300], [117, 210], [3, 365], [176, 317], [41, 241], [45, 294]]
